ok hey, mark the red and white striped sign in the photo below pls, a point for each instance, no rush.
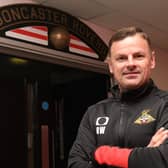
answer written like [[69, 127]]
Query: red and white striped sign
[[77, 46], [39, 35], [34, 34]]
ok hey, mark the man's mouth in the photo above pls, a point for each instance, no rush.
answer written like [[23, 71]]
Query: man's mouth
[[131, 74]]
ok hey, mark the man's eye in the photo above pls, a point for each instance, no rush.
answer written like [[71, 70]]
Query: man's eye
[[139, 56], [121, 58]]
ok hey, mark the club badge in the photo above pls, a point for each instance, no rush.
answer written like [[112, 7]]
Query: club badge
[[145, 118]]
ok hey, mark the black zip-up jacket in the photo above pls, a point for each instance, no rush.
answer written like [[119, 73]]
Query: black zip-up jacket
[[128, 121]]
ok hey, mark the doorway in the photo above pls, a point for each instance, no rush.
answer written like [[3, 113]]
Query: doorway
[[41, 108]]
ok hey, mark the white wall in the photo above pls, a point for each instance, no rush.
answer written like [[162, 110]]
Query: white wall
[[161, 71], [8, 2]]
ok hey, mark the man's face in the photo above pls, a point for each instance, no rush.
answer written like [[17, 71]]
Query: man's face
[[131, 62]]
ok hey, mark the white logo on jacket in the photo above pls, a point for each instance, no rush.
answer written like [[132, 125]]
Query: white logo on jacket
[[101, 123]]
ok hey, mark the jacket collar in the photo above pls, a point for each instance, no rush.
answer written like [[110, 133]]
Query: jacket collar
[[133, 94]]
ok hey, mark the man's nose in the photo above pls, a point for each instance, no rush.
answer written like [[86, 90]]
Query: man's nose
[[131, 63], [131, 60]]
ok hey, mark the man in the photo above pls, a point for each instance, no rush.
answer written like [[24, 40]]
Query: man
[[128, 130]]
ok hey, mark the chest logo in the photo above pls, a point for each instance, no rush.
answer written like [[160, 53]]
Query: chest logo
[[145, 118], [101, 123]]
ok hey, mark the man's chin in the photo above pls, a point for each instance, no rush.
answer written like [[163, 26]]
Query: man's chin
[[132, 85]]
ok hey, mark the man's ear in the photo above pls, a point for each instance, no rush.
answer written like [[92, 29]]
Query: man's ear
[[108, 60], [153, 60]]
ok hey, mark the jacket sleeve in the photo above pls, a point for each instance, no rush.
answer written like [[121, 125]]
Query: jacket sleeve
[[81, 153], [155, 157]]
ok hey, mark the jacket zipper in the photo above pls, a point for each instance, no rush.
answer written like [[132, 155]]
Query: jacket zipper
[[121, 125]]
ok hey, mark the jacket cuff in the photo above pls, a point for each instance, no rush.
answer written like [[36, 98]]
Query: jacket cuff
[[113, 156]]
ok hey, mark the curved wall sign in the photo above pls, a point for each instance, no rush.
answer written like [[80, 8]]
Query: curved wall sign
[[50, 28]]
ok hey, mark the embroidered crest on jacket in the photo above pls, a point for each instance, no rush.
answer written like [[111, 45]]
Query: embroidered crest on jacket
[[145, 117]]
